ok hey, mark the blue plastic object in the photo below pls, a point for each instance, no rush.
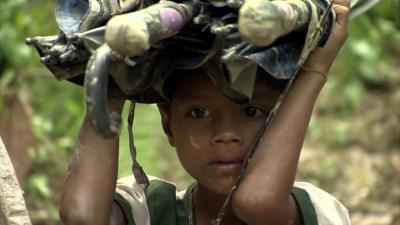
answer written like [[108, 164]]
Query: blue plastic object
[[70, 14]]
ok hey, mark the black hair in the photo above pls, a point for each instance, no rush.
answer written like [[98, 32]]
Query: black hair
[[276, 83], [176, 78]]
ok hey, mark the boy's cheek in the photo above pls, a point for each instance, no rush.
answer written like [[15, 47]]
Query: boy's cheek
[[190, 146], [195, 143], [194, 138]]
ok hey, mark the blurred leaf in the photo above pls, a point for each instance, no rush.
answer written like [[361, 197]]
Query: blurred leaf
[[40, 184]]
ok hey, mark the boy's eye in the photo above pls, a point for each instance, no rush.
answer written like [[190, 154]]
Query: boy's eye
[[199, 112], [251, 111]]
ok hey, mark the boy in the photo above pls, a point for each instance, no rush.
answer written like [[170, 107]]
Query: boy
[[212, 134]]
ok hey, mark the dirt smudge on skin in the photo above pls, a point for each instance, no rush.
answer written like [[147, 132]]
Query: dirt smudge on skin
[[194, 144]]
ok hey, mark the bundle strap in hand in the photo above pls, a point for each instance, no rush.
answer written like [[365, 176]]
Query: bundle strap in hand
[[138, 172]]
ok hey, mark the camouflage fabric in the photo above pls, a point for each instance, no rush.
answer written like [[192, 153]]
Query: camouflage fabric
[[232, 63]]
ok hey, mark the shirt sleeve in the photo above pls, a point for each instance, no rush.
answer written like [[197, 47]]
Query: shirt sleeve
[[131, 197], [319, 207], [125, 207], [150, 205]]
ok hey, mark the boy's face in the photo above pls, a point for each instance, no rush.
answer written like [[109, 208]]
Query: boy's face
[[212, 133]]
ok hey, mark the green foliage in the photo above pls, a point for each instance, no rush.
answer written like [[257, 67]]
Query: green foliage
[[13, 54], [367, 62], [19, 18], [154, 153]]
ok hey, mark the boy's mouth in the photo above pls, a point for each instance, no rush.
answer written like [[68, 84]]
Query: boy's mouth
[[226, 166]]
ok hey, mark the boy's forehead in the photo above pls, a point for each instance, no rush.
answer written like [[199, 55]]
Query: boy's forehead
[[197, 83], [194, 83]]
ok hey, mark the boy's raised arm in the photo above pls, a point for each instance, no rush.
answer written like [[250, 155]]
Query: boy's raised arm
[[87, 197], [264, 194]]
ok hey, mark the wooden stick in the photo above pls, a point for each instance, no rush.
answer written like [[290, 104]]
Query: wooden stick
[[13, 210]]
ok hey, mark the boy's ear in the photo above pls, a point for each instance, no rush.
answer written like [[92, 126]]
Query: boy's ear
[[164, 110]]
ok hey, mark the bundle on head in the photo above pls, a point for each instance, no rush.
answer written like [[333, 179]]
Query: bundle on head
[[133, 45]]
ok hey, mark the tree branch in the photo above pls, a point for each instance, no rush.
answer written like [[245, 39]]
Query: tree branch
[[12, 204]]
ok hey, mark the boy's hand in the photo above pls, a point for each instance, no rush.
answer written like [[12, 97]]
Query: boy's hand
[[321, 59]]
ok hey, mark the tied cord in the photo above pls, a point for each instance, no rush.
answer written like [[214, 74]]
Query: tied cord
[[138, 172], [321, 23]]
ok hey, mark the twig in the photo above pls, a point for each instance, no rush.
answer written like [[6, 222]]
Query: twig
[[12, 204]]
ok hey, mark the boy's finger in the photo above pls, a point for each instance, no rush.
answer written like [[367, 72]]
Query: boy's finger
[[342, 15], [342, 2]]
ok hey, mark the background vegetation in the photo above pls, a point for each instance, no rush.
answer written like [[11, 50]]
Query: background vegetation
[[352, 149]]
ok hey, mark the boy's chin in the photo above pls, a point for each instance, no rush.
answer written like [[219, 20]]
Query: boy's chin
[[220, 187]]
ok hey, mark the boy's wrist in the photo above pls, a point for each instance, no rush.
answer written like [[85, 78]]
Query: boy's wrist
[[314, 71], [311, 78]]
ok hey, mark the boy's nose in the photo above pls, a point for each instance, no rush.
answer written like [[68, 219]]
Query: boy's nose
[[226, 138], [226, 132]]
